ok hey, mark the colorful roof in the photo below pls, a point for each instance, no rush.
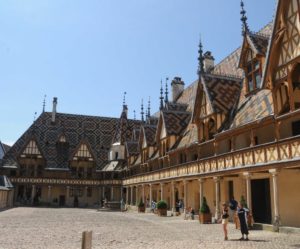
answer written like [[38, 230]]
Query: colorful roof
[[149, 134], [96, 131], [223, 92], [175, 121]]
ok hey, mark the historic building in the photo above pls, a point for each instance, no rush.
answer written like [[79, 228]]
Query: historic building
[[235, 131]]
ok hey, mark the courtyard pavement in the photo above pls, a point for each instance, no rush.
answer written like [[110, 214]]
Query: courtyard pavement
[[34, 228]]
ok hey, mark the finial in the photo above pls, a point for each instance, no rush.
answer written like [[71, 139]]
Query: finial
[[200, 59], [161, 96], [142, 110], [166, 92], [44, 102], [34, 116], [134, 116], [245, 27], [124, 98], [149, 103]]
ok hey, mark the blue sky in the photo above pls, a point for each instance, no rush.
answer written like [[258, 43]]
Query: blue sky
[[87, 53]]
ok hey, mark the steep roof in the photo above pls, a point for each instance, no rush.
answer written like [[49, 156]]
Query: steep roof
[[96, 131], [175, 121], [132, 148], [252, 108], [149, 133], [223, 91]]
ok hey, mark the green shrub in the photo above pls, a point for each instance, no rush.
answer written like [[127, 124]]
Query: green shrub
[[204, 209], [243, 202], [161, 205], [141, 203]]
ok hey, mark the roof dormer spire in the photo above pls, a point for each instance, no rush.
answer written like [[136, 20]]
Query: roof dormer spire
[[149, 107], [245, 27], [161, 96], [142, 110], [166, 91], [200, 59]]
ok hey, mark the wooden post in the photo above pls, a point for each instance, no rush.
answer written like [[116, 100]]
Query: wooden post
[[86, 240]]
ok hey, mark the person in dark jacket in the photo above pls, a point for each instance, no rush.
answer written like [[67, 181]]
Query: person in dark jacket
[[242, 214]]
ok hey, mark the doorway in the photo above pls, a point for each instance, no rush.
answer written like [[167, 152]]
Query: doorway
[[261, 201], [62, 200]]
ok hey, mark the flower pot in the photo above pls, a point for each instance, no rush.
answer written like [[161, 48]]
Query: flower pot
[[205, 218], [141, 209], [162, 212]]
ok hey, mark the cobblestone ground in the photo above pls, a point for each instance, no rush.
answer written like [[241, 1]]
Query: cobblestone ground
[[61, 228]]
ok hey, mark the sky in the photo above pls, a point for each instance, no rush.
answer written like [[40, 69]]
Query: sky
[[87, 53]]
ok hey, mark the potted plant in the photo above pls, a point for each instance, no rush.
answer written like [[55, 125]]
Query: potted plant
[[162, 208], [141, 206], [204, 214]]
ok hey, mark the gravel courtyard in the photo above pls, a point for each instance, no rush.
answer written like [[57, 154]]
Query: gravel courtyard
[[33, 228]]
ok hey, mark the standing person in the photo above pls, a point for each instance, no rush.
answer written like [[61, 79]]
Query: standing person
[[242, 214], [232, 214], [225, 216]]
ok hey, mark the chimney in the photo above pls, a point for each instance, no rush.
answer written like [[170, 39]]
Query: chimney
[[177, 87], [54, 110], [209, 62]]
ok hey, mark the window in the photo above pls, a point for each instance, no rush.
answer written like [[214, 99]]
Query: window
[[89, 192], [116, 155], [296, 128], [83, 153], [253, 72]]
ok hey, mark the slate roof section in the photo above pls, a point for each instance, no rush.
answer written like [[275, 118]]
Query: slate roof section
[[149, 133], [97, 131], [189, 137], [175, 122], [223, 92], [132, 148], [252, 108]]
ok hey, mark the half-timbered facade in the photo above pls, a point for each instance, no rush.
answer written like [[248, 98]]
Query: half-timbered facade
[[233, 132]]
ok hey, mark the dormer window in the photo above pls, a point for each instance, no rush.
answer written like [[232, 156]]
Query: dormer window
[[253, 72]]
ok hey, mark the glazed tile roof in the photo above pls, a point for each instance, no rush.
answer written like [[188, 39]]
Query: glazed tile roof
[[97, 132], [149, 134], [259, 43], [189, 137], [253, 108], [188, 96], [175, 121], [223, 92], [173, 106], [132, 148]]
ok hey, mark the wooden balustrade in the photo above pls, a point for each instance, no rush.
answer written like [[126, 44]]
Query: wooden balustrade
[[286, 149]]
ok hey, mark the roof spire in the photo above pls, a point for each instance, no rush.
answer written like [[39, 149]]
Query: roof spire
[[161, 96], [44, 102], [166, 91], [245, 27], [149, 103], [142, 110], [134, 116], [124, 98], [200, 59]]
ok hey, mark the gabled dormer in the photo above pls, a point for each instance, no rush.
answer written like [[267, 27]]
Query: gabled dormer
[[147, 141], [31, 150], [252, 56]]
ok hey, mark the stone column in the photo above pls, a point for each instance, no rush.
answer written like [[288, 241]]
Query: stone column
[[150, 189], [217, 187], [131, 195], [276, 221], [49, 194], [136, 195], [173, 196], [103, 192], [111, 193], [143, 193], [247, 176], [121, 194], [201, 181], [185, 195], [161, 191], [127, 195], [32, 193]]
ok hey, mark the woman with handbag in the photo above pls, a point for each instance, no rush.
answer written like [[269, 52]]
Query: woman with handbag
[[225, 216]]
